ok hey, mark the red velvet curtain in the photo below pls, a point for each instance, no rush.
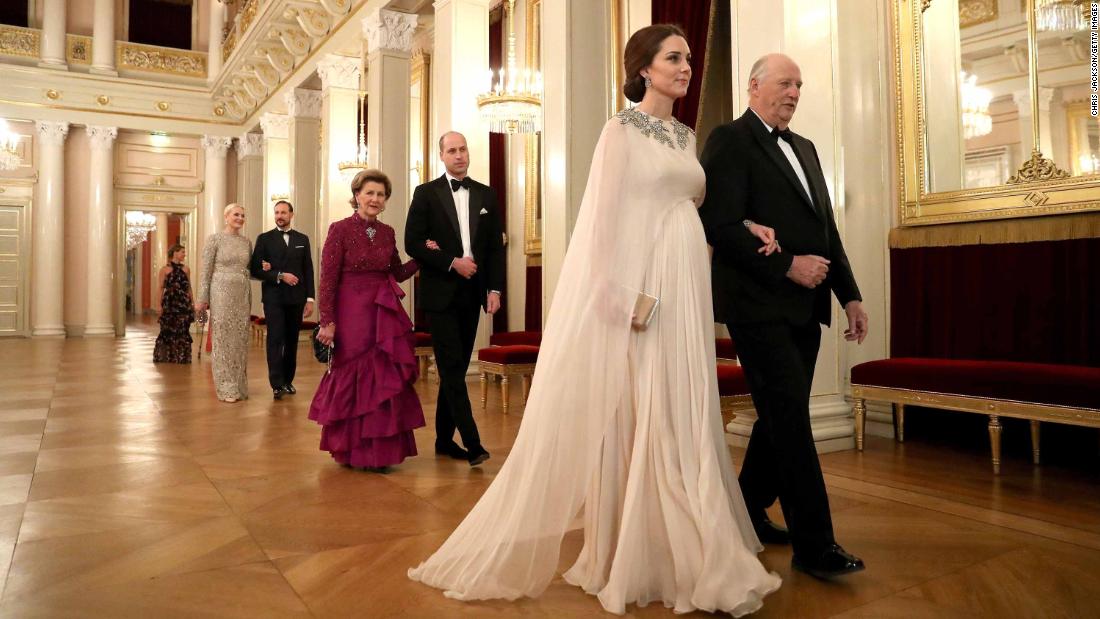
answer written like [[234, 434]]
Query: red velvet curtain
[[532, 310], [498, 169], [1018, 302], [694, 17]]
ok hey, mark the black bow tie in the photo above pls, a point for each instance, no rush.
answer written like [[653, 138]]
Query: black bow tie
[[460, 184], [783, 133]]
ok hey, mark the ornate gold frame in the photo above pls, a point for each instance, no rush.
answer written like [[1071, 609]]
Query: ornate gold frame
[[1038, 188], [420, 73], [532, 180]]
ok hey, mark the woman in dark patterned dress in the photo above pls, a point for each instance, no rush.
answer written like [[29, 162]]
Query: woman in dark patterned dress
[[176, 310], [366, 404]]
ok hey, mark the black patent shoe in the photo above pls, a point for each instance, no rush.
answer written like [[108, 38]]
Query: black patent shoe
[[452, 450], [771, 533], [289, 388], [479, 456], [278, 393], [835, 561]]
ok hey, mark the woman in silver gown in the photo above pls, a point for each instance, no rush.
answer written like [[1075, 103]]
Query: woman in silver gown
[[224, 289]]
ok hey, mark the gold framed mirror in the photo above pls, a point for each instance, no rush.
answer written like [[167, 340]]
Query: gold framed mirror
[[532, 204], [988, 113]]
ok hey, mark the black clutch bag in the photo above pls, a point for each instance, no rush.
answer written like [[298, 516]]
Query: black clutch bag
[[322, 352]]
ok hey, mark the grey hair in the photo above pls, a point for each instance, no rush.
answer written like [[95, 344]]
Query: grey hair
[[759, 70]]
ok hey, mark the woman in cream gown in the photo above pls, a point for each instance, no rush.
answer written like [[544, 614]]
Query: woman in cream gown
[[622, 422]]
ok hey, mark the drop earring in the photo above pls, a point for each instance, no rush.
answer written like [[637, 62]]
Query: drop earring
[[648, 83]]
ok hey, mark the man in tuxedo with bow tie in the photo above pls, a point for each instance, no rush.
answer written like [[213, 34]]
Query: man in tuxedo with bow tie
[[457, 280], [759, 171], [282, 260]]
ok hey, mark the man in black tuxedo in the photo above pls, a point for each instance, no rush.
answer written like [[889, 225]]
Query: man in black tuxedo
[[758, 171], [282, 260], [465, 274]]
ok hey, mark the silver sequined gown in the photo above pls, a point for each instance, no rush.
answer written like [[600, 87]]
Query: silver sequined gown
[[224, 285]]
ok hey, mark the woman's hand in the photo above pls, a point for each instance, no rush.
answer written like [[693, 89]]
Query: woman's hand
[[201, 307], [327, 334], [432, 245], [266, 265], [767, 237]]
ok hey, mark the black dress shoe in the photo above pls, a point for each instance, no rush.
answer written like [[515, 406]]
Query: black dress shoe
[[771, 533], [452, 450], [289, 388], [835, 561], [278, 393], [478, 456]]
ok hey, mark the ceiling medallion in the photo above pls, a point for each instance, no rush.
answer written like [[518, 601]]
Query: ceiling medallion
[[1036, 169]]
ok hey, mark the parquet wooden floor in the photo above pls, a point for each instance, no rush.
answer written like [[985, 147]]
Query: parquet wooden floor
[[127, 490]]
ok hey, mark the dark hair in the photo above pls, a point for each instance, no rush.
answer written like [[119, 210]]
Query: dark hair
[[288, 205], [640, 51], [173, 249], [369, 176]]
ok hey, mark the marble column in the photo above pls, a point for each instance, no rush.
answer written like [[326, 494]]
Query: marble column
[[276, 128], [103, 38], [53, 35], [304, 155], [214, 43], [389, 37], [250, 194], [158, 256], [339, 136], [48, 231], [460, 65], [214, 199], [102, 224]]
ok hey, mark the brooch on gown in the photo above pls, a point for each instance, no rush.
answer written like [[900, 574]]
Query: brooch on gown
[[655, 128]]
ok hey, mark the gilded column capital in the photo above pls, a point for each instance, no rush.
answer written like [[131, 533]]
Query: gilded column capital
[[303, 103], [101, 137], [338, 71], [386, 29], [51, 132], [275, 125], [216, 146], [250, 145]]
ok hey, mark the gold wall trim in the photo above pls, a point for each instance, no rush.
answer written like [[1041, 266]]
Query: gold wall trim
[[16, 41], [78, 49], [974, 12], [153, 59], [1031, 230], [72, 108]]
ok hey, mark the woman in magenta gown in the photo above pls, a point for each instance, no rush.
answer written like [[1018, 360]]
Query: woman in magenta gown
[[366, 403]]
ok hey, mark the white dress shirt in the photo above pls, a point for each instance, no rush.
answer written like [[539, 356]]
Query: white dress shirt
[[791, 157], [462, 206]]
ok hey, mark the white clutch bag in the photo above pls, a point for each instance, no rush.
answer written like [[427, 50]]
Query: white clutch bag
[[645, 306]]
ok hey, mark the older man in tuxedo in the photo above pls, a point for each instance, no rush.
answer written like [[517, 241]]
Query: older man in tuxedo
[[759, 171], [461, 275]]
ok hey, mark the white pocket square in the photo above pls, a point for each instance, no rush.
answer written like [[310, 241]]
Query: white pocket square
[[299, 246], [483, 212]]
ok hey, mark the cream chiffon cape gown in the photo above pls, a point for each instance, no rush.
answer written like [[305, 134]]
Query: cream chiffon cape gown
[[621, 425]]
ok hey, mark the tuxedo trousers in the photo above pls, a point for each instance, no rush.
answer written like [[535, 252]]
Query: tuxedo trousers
[[284, 322], [453, 332], [781, 459]]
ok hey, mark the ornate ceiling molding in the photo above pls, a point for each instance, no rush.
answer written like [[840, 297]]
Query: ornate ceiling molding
[[216, 146], [338, 71], [386, 29], [101, 138], [52, 132], [303, 103], [275, 125], [250, 145]]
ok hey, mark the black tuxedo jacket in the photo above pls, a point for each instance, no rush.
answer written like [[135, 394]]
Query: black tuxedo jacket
[[433, 215], [749, 177], [296, 258]]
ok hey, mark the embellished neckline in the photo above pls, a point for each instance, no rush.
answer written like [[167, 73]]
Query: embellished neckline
[[656, 128]]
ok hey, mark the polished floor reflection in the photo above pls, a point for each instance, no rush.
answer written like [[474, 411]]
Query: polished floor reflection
[[128, 490]]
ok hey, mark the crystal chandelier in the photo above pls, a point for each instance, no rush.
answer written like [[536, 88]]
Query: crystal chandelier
[[359, 163], [1061, 15], [138, 227], [9, 147], [976, 120], [514, 103]]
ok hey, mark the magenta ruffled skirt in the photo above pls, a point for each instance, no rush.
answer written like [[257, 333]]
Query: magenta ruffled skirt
[[366, 405]]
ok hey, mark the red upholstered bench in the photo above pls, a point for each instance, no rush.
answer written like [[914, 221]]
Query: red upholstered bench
[[511, 338], [733, 391], [725, 350], [423, 351], [1034, 391], [505, 362]]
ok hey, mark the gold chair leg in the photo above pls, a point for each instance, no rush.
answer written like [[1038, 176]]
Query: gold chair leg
[[995, 442], [899, 422], [860, 410], [1035, 442], [484, 390], [526, 387], [504, 392]]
